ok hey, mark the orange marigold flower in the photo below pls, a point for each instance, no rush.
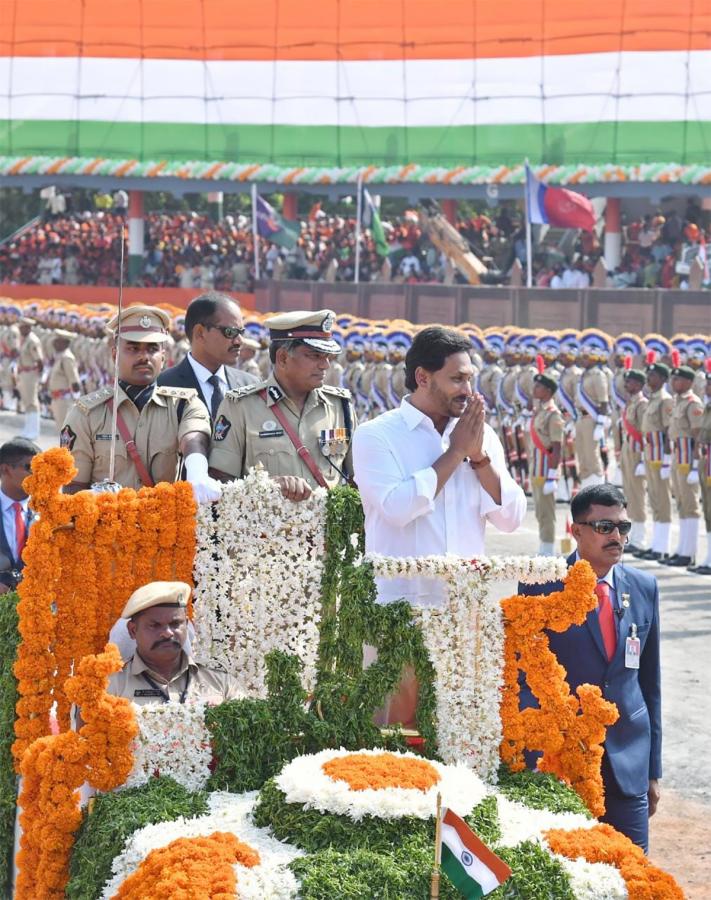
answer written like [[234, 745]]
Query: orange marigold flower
[[382, 770]]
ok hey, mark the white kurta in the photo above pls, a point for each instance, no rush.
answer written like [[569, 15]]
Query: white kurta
[[393, 458]]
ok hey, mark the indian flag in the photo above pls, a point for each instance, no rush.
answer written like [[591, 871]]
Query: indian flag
[[468, 863], [329, 84]]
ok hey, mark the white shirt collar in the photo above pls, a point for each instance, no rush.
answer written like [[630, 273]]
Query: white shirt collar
[[202, 374], [6, 502], [414, 416]]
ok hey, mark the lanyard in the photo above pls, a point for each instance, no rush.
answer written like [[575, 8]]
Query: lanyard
[[164, 693]]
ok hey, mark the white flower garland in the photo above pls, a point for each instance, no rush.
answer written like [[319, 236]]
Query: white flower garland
[[521, 823], [258, 571], [465, 642], [593, 881], [172, 740], [270, 880], [303, 781]]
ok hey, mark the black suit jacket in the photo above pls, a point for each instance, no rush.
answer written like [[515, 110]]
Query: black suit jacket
[[183, 375]]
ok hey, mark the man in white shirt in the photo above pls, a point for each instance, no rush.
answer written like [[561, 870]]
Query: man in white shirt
[[431, 473], [16, 517]]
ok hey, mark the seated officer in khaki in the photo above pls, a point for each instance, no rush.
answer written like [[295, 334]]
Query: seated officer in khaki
[[295, 425], [160, 670], [164, 422]]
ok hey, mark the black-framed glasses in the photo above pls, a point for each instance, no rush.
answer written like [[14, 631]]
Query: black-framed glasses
[[607, 526], [228, 331]]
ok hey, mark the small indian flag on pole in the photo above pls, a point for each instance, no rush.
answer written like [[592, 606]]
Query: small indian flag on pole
[[468, 863]]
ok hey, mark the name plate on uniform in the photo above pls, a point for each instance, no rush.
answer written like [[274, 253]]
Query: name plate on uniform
[[104, 437], [148, 692]]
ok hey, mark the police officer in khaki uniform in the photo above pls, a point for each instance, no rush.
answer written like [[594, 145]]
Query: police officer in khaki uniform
[[10, 341], [683, 433], [657, 459], [296, 426], [547, 427], [592, 402], [632, 456], [160, 670], [156, 425], [703, 465], [29, 372], [63, 383]]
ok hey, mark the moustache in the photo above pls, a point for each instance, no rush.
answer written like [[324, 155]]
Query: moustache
[[613, 544], [165, 641]]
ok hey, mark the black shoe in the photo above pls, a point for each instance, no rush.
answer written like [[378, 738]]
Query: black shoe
[[650, 554], [671, 560], [633, 549], [680, 561], [640, 552], [702, 570]]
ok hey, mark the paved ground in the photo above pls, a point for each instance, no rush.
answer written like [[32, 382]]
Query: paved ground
[[681, 830]]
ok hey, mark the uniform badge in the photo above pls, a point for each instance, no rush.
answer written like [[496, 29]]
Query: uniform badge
[[222, 426], [327, 323], [274, 392], [145, 321], [67, 437], [269, 425]]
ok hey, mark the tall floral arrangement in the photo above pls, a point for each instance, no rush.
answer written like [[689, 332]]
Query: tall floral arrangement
[[85, 555], [258, 569], [568, 729]]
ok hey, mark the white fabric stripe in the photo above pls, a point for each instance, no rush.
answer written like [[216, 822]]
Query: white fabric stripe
[[577, 88], [536, 214], [477, 870]]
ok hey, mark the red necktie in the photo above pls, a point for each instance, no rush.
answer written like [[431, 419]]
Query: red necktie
[[606, 618], [20, 529]]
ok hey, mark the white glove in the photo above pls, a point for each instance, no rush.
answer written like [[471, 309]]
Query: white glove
[[569, 427], [601, 423], [640, 470], [550, 486], [206, 489], [693, 476]]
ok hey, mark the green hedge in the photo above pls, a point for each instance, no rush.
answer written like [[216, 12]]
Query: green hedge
[[540, 790], [114, 818], [9, 639]]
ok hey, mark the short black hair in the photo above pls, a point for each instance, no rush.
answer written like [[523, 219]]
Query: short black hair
[[283, 345], [14, 451], [596, 495], [430, 349], [202, 309]]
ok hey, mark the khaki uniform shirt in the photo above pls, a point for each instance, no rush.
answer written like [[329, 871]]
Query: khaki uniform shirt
[[508, 386], [596, 387], [397, 382], [247, 432], [156, 430], [549, 424], [569, 378], [705, 425], [10, 340], [658, 412], [334, 375], [380, 387], [203, 684], [634, 413], [488, 385], [64, 373], [31, 353], [523, 393], [686, 415]]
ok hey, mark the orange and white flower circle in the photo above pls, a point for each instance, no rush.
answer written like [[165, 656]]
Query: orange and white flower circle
[[378, 783]]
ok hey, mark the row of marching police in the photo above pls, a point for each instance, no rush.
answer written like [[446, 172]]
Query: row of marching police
[[571, 408]]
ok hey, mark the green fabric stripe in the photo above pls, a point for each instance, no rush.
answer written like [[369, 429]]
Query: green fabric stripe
[[454, 870], [287, 145]]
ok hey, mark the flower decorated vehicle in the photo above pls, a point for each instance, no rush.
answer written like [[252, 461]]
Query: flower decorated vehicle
[[292, 791]]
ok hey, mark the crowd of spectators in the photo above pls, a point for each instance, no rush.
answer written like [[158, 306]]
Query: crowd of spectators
[[190, 250]]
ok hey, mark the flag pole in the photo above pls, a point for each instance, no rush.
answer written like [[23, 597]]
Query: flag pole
[[359, 216], [529, 242], [434, 883], [255, 231]]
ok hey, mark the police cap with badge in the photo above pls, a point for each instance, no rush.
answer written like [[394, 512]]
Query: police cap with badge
[[313, 328], [141, 324]]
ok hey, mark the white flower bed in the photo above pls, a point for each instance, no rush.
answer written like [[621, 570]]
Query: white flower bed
[[270, 880], [304, 781], [258, 571]]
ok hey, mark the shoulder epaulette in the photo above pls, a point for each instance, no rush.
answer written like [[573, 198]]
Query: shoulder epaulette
[[180, 393], [245, 390], [336, 391], [96, 398]]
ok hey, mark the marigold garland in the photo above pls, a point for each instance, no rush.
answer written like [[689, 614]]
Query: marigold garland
[[187, 868], [82, 561], [382, 770], [568, 729], [603, 844], [54, 767]]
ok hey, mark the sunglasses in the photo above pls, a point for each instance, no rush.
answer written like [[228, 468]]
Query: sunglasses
[[228, 331], [607, 526]]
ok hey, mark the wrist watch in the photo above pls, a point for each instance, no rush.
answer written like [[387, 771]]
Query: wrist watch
[[480, 463]]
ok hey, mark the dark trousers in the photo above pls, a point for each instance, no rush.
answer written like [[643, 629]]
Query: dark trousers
[[629, 815]]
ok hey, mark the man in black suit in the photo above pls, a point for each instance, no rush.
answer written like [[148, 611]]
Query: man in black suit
[[214, 326], [16, 518], [617, 649]]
